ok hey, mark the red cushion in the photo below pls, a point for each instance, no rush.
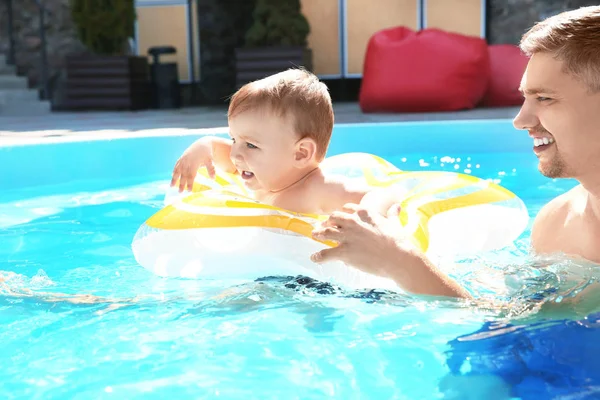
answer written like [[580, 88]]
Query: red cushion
[[428, 70], [507, 65]]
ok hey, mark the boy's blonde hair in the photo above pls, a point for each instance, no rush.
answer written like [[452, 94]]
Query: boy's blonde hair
[[296, 93], [572, 37]]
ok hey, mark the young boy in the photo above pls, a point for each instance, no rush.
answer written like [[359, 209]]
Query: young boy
[[280, 128]]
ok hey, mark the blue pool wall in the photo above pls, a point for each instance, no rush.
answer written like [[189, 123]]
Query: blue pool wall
[[31, 165]]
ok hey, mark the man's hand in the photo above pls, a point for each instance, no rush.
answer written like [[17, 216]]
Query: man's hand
[[376, 244], [367, 240], [197, 155]]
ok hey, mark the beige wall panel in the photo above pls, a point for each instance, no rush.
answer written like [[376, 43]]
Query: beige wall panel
[[365, 17], [196, 39], [460, 16], [324, 37], [164, 26]]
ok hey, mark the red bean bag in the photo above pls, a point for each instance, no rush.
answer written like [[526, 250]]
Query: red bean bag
[[507, 65], [428, 70]]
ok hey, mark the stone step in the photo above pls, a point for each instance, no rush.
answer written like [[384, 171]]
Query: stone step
[[2, 59], [8, 70], [24, 108], [12, 82], [9, 95]]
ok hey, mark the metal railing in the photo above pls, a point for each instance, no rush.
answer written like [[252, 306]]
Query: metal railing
[[11, 56], [191, 49], [45, 94]]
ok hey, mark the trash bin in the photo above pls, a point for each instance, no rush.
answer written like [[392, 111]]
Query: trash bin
[[166, 92]]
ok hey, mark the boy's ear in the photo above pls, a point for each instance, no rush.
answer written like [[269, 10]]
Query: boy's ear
[[306, 151]]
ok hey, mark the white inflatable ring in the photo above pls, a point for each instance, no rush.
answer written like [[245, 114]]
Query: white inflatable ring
[[217, 232]]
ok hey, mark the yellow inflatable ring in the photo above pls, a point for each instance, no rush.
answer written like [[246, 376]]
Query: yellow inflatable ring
[[218, 232]]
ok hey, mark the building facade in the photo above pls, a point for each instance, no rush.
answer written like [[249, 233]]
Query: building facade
[[205, 32], [340, 29]]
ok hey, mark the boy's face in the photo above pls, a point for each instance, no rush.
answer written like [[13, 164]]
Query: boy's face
[[267, 151]]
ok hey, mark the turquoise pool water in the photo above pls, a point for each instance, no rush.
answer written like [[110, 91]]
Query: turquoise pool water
[[80, 319]]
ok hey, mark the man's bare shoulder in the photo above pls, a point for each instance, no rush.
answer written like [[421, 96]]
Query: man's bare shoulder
[[560, 205], [551, 218]]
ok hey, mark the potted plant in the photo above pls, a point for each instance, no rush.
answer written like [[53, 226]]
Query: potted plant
[[276, 41], [107, 77]]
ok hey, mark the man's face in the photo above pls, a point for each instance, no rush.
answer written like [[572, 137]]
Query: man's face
[[563, 118]]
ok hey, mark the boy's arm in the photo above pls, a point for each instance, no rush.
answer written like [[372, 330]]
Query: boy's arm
[[207, 151], [221, 150]]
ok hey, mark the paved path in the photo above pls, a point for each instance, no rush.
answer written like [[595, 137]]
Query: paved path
[[187, 121]]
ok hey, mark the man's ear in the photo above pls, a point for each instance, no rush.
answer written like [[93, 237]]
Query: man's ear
[[306, 151]]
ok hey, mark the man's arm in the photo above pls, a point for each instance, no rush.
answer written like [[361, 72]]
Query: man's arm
[[415, 273], [537, 235], [375, 244]]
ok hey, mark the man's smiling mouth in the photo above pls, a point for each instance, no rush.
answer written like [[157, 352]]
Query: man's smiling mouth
[[537, 142]]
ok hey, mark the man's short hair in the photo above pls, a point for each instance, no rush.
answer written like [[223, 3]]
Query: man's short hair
[[574, 38]]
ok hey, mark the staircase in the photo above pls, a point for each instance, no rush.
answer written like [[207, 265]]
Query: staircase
[[15, 98]]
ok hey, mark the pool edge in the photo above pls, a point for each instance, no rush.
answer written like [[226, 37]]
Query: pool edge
[[19, 138]]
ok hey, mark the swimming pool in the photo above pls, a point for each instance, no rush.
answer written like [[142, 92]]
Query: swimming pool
[[80, 319]]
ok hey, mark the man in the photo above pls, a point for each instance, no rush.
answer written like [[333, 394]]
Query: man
[[561, 112]]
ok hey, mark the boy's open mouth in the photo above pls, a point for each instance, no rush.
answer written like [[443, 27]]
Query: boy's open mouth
[[247, 175]]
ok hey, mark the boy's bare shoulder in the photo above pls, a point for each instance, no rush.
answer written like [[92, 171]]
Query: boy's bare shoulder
[[334, 191]]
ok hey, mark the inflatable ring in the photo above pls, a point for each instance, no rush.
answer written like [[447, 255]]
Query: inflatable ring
[[218, 232]]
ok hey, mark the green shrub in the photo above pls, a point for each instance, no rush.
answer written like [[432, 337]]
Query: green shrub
[[277, 23], [104, 26]]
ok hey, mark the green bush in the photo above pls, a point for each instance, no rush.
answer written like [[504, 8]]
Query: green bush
[[104, 26], [277, 23]]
